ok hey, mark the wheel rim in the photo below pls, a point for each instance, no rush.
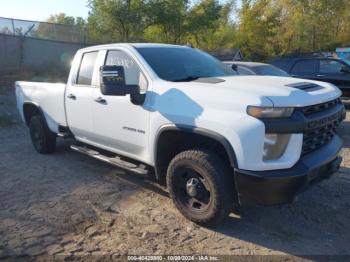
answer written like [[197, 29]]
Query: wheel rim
[[192, 190]]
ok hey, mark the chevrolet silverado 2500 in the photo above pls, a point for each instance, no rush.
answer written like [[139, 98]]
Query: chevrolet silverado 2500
[[174, 111]]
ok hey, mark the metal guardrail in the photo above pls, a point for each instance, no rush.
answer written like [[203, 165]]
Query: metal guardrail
[[43, 30]]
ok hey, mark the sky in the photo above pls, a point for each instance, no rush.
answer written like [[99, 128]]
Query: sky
[[40, 10]]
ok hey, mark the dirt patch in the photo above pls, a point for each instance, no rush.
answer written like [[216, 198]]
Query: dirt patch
[[69, 204]]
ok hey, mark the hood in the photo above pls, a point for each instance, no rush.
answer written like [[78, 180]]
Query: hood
[[282, 91]]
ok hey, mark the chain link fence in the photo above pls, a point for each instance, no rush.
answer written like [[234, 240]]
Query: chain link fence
[[43, 30], [37, 51]]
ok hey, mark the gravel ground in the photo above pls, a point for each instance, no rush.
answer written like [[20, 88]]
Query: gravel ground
[[69, 204]]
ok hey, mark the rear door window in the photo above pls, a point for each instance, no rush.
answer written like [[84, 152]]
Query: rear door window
[[86, 69], [305, 67]]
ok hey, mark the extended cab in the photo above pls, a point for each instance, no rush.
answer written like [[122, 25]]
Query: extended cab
[[178, 113]]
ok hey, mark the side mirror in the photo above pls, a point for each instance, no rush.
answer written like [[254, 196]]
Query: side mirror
[[112, 82], [234, 67], [345, 69]]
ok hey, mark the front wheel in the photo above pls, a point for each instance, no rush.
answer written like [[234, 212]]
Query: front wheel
[[44, 141], [201, 186]]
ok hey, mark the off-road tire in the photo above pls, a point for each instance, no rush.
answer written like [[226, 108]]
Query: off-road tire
[[44, 141], [216, 173]]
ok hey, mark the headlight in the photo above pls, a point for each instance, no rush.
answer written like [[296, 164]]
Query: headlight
[[269, 112], [275, 145]]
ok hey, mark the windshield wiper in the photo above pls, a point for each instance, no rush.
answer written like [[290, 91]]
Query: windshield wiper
[[186, 79]]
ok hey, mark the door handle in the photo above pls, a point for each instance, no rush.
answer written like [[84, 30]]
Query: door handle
[[71, 96], [320, 75], [101, 100]]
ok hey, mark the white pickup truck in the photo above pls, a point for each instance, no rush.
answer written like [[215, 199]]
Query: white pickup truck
[[176, 112]]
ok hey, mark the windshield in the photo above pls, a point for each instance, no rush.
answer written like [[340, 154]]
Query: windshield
[[269, 70], [182, 64]]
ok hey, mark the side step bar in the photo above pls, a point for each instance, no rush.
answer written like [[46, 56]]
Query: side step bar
[[116, 161]]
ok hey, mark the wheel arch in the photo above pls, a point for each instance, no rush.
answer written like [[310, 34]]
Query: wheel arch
[[31, 109], [194, 131]]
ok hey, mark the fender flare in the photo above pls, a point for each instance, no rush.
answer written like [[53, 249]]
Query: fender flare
[[27, 103], [200, 131]]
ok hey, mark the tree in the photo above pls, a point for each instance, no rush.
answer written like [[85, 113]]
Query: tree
[[204, 21], [116, 20], [63, 19], [166, 20], [312, 25], [258, 21], [63, 28], [261, 28], [209, 25]]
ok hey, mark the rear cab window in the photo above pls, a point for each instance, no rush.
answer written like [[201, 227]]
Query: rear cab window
[[86, 69]]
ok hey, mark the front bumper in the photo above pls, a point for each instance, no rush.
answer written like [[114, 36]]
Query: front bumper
[[281, 186]]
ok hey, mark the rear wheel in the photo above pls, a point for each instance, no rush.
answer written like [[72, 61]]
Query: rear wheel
[[44, 141], [201, 186]]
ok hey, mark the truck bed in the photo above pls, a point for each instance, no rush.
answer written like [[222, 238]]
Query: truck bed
[[48, 96]]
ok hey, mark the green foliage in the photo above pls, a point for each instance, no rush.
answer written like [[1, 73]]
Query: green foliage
[[257, 28], [62, 18], [315, 25], [203, 22], [261, 28], [117, 20], [166, 20]]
